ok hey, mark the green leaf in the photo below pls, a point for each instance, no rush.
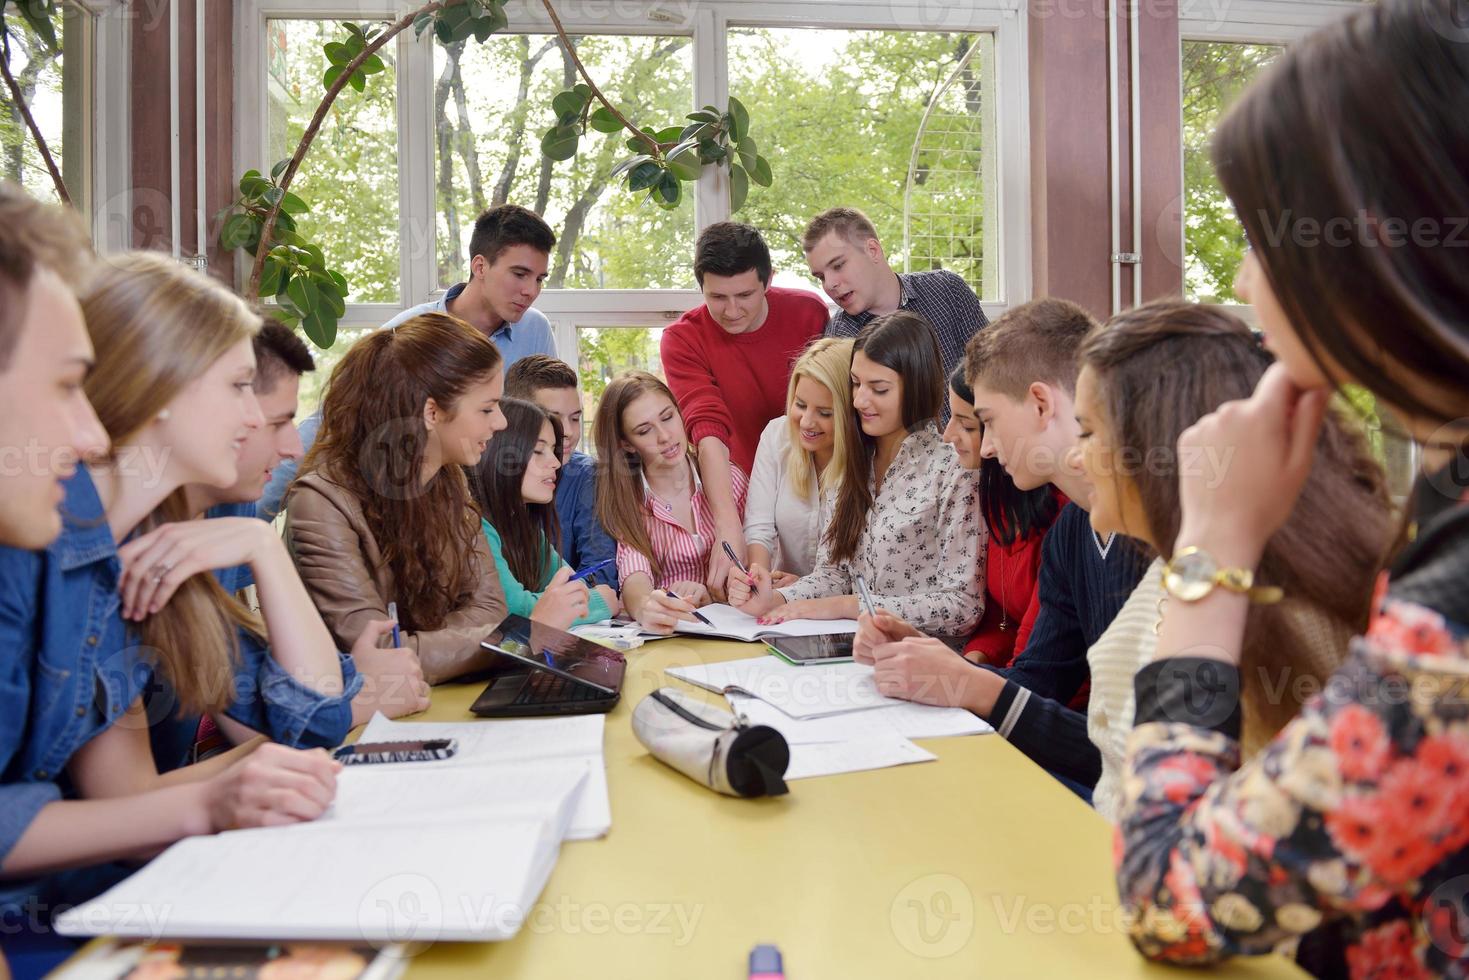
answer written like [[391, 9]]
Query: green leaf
[[451, 21], [288, 306], [235, 233], [628, 164], [670, 190], [748, 153], [644, 175], [304, 293], [669, 135], [708, 115], [253, 185], [639, 145], [279, 168], [372, 64], [762, 174], [286, 235], [38, 16], [358, 81], [603, 121], [422, 23], [491, 21], [270, 278], [320, 327], [331, 300], [569, 103], [740, 120], [355, 45], [283, 221], [292, 204], [685, 165], [311, 256], [560, 143], [583, 89], [341, 282], [330, 76], [354, 30], [273, 196], [739, 187], [338, 53], [711, 152]]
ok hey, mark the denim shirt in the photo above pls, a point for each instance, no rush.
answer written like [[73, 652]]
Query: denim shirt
[[584, 541], [71, 665], [267, 698]]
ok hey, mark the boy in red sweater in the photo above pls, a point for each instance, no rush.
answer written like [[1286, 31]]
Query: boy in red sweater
[[728, 363]]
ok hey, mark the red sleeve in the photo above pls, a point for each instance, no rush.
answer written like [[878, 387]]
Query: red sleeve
[[690, 377]]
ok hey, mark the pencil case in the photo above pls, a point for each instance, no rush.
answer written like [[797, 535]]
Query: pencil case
[[712, 746]]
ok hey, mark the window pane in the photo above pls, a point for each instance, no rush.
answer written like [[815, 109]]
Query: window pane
[[350, 174], [1214, 74], [493, 105], [839, 114], [605, 353], [39, 71]]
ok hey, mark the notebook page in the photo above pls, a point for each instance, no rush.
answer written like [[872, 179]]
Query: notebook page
[[905, 719], [801, 692], [831, 758]]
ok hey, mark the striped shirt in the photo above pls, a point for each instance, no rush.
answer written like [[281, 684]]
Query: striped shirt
[[682, 554], [943, 298]]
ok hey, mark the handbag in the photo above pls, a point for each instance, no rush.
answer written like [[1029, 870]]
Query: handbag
[[712, 746]]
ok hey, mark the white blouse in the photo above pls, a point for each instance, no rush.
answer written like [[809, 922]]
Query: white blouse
[[789, 526], [1119, 653], [923, 549]]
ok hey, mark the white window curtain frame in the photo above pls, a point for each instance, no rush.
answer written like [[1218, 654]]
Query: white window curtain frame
[[707, 24]]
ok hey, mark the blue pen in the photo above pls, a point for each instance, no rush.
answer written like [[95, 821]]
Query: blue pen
[[590, 570], [393, 615]]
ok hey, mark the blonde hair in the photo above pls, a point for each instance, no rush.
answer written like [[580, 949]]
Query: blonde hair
[[157, 326], [847, 223], [828, 362]]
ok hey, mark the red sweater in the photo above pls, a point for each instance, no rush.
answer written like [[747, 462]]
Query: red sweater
[[1012, 595], [730, 386]]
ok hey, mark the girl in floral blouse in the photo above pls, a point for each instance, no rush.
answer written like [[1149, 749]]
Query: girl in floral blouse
[[906, 515], [1348, 835]]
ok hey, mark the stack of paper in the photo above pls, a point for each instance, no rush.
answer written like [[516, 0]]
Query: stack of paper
[[831, 715]]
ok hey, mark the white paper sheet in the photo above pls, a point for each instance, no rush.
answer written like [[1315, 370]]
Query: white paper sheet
[[514, 741], [830, 758], [729, 621], [904, 719], [811, 691]]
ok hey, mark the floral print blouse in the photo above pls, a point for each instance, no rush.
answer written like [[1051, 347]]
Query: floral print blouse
[[1347, 837], [922, 552]]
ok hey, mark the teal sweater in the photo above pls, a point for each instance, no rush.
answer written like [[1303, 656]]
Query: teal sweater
[[519, 600]]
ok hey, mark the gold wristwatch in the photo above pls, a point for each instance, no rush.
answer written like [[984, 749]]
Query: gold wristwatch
[[1193, 573]]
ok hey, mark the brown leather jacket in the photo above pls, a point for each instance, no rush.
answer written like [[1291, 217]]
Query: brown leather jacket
[[341, 564]]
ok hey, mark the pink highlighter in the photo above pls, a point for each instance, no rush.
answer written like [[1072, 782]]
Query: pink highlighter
[[765, 963]]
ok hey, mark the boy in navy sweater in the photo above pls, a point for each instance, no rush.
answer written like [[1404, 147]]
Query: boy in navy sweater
[[1023, 371]]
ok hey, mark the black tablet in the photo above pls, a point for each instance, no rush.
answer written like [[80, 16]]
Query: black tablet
[[834, 648]]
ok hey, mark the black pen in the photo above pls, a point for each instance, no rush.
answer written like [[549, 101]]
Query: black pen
[[697, 615], [738, 564]]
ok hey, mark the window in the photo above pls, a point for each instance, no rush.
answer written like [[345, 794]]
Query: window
[[1214, 74], [843, 114], [492, 105], [606, 352], [350, 176], [51, 80]]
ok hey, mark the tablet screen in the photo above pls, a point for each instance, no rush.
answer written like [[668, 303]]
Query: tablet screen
[[562, 652], [833, 648]]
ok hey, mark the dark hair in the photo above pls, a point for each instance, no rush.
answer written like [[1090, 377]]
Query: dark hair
[[277, 351], [1036, 341], [509, 224], [1011, 513], [372, 442], [536, 372], [728, 248], [1361, 129], [528, 532], [903, 342], [34, 235], [1159, 368]]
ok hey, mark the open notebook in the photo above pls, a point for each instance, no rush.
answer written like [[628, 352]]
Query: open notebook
[[730, 623], [403, 855]]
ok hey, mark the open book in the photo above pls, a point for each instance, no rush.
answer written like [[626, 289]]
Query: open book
[[403, 855], [730, 623]]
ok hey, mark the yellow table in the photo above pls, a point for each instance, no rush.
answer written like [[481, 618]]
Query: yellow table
[[977, 865]]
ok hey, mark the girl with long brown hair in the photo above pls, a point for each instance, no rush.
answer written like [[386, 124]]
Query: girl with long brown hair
[[1349, 833], [907, 513], [381, 512], [650, 498], [90, 624]]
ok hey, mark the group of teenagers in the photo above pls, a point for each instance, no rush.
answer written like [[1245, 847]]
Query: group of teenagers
[[1154, 553]]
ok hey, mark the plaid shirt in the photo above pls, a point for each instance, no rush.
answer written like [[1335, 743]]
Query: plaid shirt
[[943, 298]]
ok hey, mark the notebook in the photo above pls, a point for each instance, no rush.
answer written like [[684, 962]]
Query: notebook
[[800, 692], [381, 866], [732, 624]]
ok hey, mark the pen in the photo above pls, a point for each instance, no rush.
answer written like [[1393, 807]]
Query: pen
[[697, 615], [765, 963], [393, 615], [863, 596], [738, 564], [590, 570]]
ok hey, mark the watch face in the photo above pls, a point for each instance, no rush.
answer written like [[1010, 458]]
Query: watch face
[[1190, 575]]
